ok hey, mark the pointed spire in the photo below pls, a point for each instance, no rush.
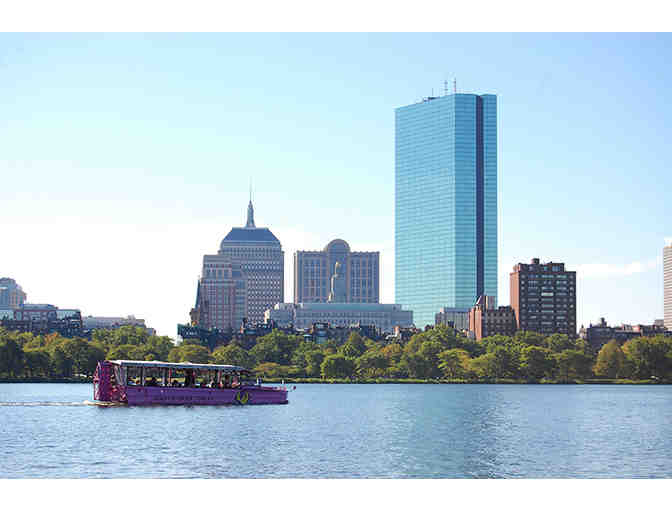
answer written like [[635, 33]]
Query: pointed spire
[[250, 211]]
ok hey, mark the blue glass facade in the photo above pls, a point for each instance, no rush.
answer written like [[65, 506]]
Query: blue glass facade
[[445, 203]]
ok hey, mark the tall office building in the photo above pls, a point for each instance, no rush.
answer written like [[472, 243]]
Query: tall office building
[[313, 271], [543, 297], [667, 286], [445, 203], [259, 254]]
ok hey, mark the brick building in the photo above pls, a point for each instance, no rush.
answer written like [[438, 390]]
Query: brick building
[[486, 320], [543, 297]]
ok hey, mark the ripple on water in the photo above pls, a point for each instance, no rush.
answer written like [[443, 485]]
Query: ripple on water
[[346, 431]]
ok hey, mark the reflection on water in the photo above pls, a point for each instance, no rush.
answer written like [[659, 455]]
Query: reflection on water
[[345, 431]]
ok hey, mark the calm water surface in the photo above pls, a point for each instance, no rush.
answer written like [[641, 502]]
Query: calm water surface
[[346, 431]]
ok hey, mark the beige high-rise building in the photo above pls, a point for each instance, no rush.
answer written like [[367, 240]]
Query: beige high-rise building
[[667, 286], [359, 270], [261, 259]]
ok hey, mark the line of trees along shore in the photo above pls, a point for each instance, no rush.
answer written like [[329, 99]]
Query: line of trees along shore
[[439, 353]]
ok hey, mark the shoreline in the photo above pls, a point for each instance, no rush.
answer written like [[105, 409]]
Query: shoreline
[[315, 380]]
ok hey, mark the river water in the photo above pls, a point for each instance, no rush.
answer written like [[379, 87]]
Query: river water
[[346, 431]]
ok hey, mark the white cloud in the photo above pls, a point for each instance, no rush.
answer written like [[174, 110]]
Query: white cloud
[[616, 270]]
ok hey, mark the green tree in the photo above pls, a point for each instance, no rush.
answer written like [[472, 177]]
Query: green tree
[[537, 362], [504, 362], [84, 356], [276, 347], [610, 361], [395, 372], [355, 344], [133, 335], [371, 364], [330, 346], [270, 369], [349, 351], [430, 350], [483, 366], [61, 365], [529, 338], [416, 365], [233, 354], [159, 347], [509, 354], [127, 351], [649, 357], [314, 361], [36, 343], [37, 362], [299, 354], [192, 354], [572, 363], [11, 357], [558, 342], [392, 352], [454, 363], [192, 341], [103, 336], [337, 366]]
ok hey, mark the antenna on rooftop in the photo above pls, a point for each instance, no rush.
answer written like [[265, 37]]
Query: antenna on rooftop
[[445, 87], [454, 85]]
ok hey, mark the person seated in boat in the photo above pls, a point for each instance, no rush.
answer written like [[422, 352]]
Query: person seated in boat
[[227, 382], [175, 383], [151, 382], [235, 383]]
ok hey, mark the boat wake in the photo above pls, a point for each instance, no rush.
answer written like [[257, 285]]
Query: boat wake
[[45, 404]]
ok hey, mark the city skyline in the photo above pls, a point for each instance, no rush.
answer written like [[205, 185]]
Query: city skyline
[[102, 216]]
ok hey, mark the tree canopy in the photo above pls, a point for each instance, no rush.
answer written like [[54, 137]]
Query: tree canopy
[[437, 353]]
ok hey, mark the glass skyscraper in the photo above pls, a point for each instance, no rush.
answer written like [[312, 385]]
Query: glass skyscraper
[[445, 203]]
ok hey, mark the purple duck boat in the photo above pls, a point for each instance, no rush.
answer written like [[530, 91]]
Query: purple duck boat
[[160, 383]]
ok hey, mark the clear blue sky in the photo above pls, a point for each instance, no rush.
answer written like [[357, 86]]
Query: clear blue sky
[[126, 157]]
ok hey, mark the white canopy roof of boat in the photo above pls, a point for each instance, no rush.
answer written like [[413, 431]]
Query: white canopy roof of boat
[[186, 365]]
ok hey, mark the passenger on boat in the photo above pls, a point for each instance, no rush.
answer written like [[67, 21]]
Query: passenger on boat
[[152, 382], [235, 383], [175, 383], [227, 382]]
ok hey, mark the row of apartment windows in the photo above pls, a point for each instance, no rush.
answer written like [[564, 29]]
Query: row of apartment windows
[[535, 276]]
